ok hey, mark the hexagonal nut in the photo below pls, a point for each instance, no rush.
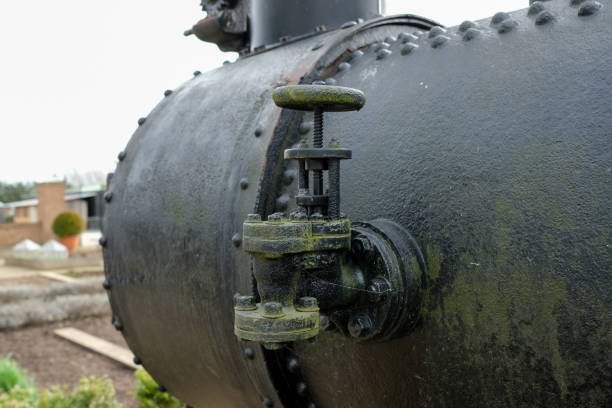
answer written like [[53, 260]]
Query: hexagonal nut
[[359, 326], [276, 217], [245, 303], [253, 217], [378, 290], [273, 310], [307, 304]]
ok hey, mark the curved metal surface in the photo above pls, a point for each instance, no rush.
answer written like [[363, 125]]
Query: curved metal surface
[[488, 142]]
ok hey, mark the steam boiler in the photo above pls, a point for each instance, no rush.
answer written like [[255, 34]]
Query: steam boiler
[[374, 211]]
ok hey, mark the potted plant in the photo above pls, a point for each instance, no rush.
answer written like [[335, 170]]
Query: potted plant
[[68, 227]]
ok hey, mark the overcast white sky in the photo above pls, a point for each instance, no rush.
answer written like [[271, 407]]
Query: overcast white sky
[[76, 75]]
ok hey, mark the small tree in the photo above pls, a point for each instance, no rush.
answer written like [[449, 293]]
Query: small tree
[[67, 224]]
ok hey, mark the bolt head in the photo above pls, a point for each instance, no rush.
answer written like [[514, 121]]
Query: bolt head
[[249, 353], [196, 73], [137, 361], [121, 155], [360, 326], [108, 196], [168, 92], [317, 217], [102, 241], [253, 217], [161, 388], [361, 246], [307, 304], [273, 310], [244, 183], [378, 290], [244, 303], [276, 217], [106, 284], [236, 240], [293, 365], [117, 324], [301, 388], [141, 121], [258, 132], [324, 323]]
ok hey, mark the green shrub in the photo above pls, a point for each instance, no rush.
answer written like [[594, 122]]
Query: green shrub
[[11, 375], [149, 395], [18, 397], [91, 392], [68, 223]]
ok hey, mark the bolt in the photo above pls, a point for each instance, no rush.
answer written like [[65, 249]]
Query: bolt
[[348, 24], [544, 17], [258, 132], [108, 196], [141, 121], [361, 246], [137, 361], [267, 402], [117, 324], [499, 17], [466, 25], [293, 365], [409, 48], [254, 217], [161, 388], [436, 31], [316, 216], [589, 8], [102, 241], [298, 215], [244, 183], [378, 289], [301, 388], [307, 304], [244, 303], [168, 92], [121, 155], [276, 217], [249, 353], [360, 325], [196, 73], [236, 240], [324, 323], [106, 284], [273, 310], [312, 405], [384, 53]]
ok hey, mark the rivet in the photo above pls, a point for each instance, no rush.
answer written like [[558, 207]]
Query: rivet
[[258, 132], [535, 8], [301, 388], [121, 155], [293, 365], [355, 55], [236, 240], [168, 92], [436, 31], [507, 26], [108, 196], [161, 388], [466, 25], [305, 127], [249, 353], [344, 66], [390, 39], [408, 48], [317, 46], [407, 37], [106, 284], [137, 361], [499, 17], [117, 324], [589, 8], [348, 24], [102, 241], [289, 176], [382, 54], [470, 34], [379, 45], [544, 17], [272, 310], [282, 202], [439, 41], [331, 81], [244, 183], [141, 121], [196, 73], [267, 402]]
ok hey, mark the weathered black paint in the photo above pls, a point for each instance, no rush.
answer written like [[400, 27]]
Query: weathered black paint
[[492, 147]]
